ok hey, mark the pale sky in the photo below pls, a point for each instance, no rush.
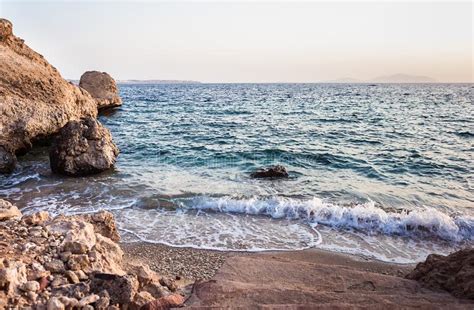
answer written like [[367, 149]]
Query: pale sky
[[248, 41]]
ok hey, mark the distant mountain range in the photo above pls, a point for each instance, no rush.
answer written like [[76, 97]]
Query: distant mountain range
[[395, 78]]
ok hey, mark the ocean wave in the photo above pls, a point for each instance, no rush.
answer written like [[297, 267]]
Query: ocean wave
[[367, 217]]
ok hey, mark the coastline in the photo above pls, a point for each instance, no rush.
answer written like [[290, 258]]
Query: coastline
[[203, 264], [289, 279]]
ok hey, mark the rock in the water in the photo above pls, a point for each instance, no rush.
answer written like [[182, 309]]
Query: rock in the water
[[102, 88], [7, 159], [8, 211], [454, 273], [35, 100], [83, 147], [277, 171]]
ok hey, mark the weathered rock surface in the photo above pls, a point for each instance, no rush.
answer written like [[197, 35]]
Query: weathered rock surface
[[65, 263], [35, 101], [83, 147], [102, 88], [277, 171], [306, 280], [453, 273], [8, 211]]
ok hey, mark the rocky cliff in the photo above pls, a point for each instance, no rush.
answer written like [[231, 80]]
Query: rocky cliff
[[35, 101]]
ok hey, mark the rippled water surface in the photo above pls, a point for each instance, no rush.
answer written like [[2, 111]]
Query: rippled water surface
[[384, 171]]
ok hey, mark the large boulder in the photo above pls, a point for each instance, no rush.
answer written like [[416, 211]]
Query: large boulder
[[102, 88], [35, 101], [83, 147], [453, 273]]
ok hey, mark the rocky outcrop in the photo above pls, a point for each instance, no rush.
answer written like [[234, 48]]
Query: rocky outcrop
[[35, 101], [83, 147], [277, 171], [102, 88], [65, 263], [453, 273]]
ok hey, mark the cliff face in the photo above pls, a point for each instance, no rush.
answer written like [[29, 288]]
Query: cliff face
[[35, 101]]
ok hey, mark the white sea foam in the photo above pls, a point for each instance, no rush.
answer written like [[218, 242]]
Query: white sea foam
[[367, 217]]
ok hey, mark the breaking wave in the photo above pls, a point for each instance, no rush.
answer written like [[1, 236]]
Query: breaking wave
[[366, 217]]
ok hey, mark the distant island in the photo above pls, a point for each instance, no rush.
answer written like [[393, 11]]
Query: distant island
[[395, 78], [141, 82]]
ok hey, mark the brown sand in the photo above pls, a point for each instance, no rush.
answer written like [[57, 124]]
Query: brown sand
[[289, 280]]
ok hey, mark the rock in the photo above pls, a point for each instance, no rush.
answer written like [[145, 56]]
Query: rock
[[7, 160], [141, 299], [8, 211], [169, 283], [82, 148], [35, 100], [108, 256], [102, 303], [165, 303], [122, 289], [30, 286], [453, 273], [277, 171], [78, 262], [72, 277], [157, 290], [37, 271], [55, 304], [69, 302], [104, 224], [143, 273], [88, 300], [79, 235], [37, 218], [55, 266], [102, 88], [12, 276], [43, 283]]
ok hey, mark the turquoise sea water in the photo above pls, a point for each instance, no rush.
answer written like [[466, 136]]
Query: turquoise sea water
[[380, 170]]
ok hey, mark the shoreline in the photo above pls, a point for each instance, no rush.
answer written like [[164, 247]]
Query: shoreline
[[203, 264]]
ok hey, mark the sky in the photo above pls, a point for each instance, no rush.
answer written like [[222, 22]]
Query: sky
[[249, 41]]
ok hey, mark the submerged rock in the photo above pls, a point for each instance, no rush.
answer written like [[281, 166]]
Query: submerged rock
[[277, 171], [453, 273], [82, 148], [35, 100], [102, 88]]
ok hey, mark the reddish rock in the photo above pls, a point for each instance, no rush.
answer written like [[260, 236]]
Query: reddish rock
[[165, 303], [453, 273]]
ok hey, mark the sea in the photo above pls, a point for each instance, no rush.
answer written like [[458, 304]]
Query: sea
[[383, 171]]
